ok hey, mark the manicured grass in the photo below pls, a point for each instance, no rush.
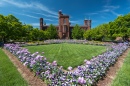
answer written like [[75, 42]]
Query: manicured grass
[[123, 76], [9, 76], [68, 54]]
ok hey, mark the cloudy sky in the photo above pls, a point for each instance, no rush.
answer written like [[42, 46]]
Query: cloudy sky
[[99, 11]]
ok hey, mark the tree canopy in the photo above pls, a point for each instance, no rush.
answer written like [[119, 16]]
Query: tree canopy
[[12, 29], [77, 32], [120, 27]]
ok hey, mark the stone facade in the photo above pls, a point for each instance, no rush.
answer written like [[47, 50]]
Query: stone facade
[[64, 28]]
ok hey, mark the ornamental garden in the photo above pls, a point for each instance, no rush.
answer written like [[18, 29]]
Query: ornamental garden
[[81, 61], [88, 72]]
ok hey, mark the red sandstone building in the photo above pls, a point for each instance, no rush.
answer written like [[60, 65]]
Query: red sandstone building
[[64, 28]]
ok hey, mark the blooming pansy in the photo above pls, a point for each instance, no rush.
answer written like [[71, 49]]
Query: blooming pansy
[[86, 74]]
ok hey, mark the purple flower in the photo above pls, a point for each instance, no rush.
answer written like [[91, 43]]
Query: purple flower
[[25, 63], [54, 63], [81, 80], [38, 57], [32, 63], [47, 72], [61, 67], [88, 62], [44, 58]]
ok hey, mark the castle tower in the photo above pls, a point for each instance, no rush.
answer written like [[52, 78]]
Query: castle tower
[[63, 26], [41, 23], [87, 23]]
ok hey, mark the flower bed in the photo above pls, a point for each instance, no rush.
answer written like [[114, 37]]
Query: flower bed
[[87, 74], [57, 41]]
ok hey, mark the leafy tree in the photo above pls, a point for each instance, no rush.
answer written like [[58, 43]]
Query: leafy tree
[[128, 32], [2, 35], [26, 32], [35, 34], [88, 35], [14, 27], [52, 32], [77, 33], [41, 35], [46, 34]]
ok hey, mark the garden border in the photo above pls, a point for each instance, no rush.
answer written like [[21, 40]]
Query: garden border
[[24, 71], [117, 55], [111, 74], [35, 81]]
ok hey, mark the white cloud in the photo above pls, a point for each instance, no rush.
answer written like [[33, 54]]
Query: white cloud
[[128, 8], [18, 4], [38, 24], [93, 21], [33, 5], [35, 24], [29, 16], [44, 8], [110, 9], [79, 22], [48, 19], [26, 15], [74, 22], [114, 13], [2, 4], [46, 15], [91, 14], [107, 2], [103, 17]]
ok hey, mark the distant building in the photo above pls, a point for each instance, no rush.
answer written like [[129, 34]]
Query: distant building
[[64, 28]]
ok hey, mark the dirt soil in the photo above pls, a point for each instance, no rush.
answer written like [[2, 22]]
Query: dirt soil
[[35, 81], [25, 72]]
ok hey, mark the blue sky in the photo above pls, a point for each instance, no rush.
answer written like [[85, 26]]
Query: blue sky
[[99, 11]]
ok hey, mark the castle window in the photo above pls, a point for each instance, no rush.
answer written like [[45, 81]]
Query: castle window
[[88, 23], [64, 21], [65, 29]]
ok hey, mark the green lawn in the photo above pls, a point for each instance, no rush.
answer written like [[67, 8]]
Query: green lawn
[[123, 76], [9, 76], [68, 54]]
